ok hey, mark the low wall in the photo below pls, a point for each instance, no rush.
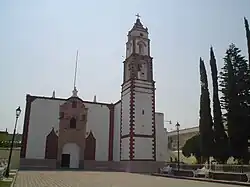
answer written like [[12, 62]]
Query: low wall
[[231, 168], [124, 166], [37, 164], [141, 166], [183, 173], [228, 176], [216, 175], [215, 167], [15, 158]]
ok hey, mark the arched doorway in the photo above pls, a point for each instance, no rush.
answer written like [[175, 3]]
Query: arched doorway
[[70, 156]]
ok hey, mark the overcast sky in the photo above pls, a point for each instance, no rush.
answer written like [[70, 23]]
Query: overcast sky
[[39, 39]]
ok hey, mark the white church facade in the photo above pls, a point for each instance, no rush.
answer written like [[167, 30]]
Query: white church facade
[[127, 135]]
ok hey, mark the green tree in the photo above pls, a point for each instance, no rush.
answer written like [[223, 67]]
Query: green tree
[[248, 47], [205, 122], [192, 148], [221, 153], [235, 92], [248, 37]]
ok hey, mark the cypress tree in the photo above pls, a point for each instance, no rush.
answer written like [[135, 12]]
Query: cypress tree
[[248, 47], [234, 80], [205, 121], [248, 38], [220, 137]]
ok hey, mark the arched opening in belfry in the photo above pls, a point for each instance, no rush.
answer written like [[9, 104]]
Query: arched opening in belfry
[[141, 48], [72, 123]]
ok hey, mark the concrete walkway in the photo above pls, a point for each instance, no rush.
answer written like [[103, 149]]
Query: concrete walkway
[[101, 179]]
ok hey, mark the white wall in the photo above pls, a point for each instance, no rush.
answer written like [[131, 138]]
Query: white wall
[[74, 151], [116, 143], [125, 111], [143, 122], [161, 138], [125, 107], [98, 123], [44, 115], [125, 149], [143, 102], [143, 148]]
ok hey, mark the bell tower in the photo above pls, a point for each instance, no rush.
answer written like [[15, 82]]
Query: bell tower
[[138, 141]]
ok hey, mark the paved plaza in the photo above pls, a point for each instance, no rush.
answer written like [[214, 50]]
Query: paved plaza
[[101, 179]]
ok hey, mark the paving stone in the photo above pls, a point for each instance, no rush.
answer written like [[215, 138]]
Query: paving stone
[[101, 179]]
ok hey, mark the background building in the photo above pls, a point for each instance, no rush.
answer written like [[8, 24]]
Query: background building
[[184, 135]]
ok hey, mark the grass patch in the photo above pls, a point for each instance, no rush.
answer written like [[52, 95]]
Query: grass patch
[[5, 183]]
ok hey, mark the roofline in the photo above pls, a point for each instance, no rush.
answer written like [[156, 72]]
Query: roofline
[[183, 131], [65, 99]]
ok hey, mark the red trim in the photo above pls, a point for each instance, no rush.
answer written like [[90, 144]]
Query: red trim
[[132, 134], [132, 122], [121, 132], [136, 159], [138, 136], [111, 130], [153, 124], [29, 100]]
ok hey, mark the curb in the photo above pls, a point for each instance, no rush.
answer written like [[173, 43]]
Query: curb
[[203, 179], [14, 179]]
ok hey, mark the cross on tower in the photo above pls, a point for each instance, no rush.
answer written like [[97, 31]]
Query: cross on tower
[[138, 16]]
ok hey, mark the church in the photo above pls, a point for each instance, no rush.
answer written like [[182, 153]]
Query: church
[[73, 133]]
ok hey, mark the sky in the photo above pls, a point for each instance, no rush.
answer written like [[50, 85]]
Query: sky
[[39, 39]]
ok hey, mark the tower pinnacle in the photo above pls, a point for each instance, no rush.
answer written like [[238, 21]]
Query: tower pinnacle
[[138, 16], [94, 100], [138, 25]]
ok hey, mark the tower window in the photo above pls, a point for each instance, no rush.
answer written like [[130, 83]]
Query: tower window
[[72, 123], [141, 49], [141, 34], [74, 104], [142, 112], [139, 67]]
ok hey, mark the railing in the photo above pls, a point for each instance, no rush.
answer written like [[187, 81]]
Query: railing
[[238, 173], [215, 167]]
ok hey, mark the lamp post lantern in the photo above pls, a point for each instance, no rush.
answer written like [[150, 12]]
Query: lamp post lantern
[[178, 145], [18, 112]]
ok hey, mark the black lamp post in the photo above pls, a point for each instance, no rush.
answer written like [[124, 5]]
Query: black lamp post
[[178, 145], [7, 172]]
